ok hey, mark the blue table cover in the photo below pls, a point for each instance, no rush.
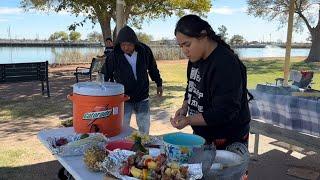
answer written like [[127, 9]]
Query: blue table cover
[[286, 111]]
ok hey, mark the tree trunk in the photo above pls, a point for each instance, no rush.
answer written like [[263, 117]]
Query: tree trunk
[[115, 28], [115, 34], [314, 54], [105, 27]]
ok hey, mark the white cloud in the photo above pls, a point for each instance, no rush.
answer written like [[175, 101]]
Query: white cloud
[[227, 10], [7, 10], [53, 12], [19, 11], [13, 11]]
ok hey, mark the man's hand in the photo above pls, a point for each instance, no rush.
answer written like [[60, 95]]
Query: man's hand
[[159, 91]]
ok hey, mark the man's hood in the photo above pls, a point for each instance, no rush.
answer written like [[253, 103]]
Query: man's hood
[[126, 34]]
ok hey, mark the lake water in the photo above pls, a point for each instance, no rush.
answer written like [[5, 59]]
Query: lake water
[[72, 55], [50, 54], [269, 51]]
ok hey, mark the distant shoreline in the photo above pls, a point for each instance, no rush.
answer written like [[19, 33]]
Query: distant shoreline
[[297, 46], [45, 43], [249, 46], [292, 58], [60, 43]]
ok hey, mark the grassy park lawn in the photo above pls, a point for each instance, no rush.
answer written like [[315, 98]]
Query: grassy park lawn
[[259, 71], [21, 118]]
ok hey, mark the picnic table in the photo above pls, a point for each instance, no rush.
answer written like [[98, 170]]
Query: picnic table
[[77, 168], [75, 164], [286, 117]]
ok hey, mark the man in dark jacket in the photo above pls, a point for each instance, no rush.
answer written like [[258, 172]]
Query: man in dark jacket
[[109, 46], [129, 64], [108, 49]]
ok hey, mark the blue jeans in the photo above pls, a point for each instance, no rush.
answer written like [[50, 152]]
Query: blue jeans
[[142, 111]]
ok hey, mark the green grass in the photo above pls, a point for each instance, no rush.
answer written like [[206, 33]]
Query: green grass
[[267, 71], [174, 84], [259, 72], [11, 157], [35, 107], [173, 73]]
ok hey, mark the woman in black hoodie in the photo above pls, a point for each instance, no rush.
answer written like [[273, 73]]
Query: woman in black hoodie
[[129, 64], [215, 103]]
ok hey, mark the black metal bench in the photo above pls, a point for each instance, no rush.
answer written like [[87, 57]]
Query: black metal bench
[[25, 72]]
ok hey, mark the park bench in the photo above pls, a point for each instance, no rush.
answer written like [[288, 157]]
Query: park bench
[[96, 66], [25, 72]]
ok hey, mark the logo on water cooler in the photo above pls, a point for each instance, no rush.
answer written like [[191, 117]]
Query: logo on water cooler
[[100, 114]]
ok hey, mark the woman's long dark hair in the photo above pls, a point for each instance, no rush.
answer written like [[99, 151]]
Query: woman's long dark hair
[[193, 26]]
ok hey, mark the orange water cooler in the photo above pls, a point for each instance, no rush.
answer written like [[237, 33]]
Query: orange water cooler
[[98, 107]]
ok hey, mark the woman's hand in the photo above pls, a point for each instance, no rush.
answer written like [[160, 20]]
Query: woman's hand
[[181, 112], [180, 122]]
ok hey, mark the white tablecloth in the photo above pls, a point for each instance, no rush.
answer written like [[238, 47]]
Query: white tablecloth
[[74, 164]]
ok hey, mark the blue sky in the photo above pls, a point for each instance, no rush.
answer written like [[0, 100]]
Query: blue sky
[[230, 13]]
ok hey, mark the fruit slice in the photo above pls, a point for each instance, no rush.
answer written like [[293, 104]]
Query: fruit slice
[[119, 144], [125, 170], [137, 173], [152, 165]]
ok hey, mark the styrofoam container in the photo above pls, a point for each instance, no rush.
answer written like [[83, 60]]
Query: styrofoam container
[[227, 166]]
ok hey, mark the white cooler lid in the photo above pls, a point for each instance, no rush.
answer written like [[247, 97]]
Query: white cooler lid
[[98, 89]]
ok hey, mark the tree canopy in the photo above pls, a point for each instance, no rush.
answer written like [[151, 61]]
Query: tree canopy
[[143, 37], [74, 36], [95, 37], [103, 11], [237, 40], [222, 31], [305, 14], [60, 35]]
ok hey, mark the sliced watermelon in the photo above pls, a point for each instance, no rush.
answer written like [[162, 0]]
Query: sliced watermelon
[[120, 144]]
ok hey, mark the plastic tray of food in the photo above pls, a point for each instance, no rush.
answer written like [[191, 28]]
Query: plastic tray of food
[[76, 144]]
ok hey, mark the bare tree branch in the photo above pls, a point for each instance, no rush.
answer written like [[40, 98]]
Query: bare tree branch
[[305, 20]]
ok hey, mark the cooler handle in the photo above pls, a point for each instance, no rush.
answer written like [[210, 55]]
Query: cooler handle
[[126, 97], [70, 96]]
